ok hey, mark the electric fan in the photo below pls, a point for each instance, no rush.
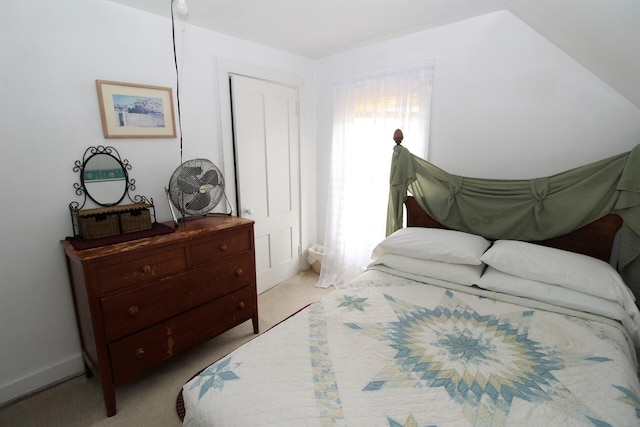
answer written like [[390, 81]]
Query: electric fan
[[196, 187]]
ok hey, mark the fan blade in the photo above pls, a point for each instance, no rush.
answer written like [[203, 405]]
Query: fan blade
[[188, 181], [199, 202], [210, 177]]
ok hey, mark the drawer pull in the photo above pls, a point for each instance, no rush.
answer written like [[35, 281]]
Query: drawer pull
[[241, 305], [239, 272], [133, 311], [146, 269], [139, 353], [223, 247]]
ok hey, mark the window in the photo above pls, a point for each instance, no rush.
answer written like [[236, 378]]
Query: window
[[367, 110]]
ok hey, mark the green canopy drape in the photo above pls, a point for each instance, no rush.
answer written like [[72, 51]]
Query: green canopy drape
[[534, 209]]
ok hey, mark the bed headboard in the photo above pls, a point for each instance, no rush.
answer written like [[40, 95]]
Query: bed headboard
[[594, 239]]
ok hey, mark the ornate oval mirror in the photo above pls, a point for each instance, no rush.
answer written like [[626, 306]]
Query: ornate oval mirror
[[104, 179]]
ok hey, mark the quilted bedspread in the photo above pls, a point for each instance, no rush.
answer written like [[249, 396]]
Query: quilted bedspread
[[387, 351]]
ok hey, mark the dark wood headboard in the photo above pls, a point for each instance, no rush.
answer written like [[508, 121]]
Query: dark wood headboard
[[595, 239]]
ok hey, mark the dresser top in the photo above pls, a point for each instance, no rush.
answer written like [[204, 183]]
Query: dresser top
[[189, 228]]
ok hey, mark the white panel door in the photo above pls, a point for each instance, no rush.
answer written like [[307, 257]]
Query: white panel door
[[265, 122]]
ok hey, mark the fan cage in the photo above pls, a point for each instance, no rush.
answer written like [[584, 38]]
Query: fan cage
[[196, 187]]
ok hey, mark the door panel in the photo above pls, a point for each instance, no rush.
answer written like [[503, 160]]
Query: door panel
[[266, 141]]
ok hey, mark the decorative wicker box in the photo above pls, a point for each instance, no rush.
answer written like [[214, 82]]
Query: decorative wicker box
[[113, 220], [97, 225], [136, 218]]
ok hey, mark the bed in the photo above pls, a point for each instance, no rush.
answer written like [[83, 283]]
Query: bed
[[445, 328]]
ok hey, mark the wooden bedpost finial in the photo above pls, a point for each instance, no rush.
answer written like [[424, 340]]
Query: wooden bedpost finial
[[398, 136]]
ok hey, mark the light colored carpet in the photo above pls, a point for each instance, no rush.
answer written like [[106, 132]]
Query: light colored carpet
[[150, 400]]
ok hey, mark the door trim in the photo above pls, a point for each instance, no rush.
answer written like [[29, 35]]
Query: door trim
[[225, 69]]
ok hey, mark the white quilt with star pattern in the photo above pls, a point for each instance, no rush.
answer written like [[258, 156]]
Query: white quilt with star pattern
[[388, 351]]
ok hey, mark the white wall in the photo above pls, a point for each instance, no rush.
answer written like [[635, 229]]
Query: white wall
[[506, 102], [51, 54]]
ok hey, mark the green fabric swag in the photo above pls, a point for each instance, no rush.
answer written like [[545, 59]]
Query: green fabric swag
[[535, 209]]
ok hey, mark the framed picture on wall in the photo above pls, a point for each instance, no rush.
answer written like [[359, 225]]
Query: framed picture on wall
[[132, 110]]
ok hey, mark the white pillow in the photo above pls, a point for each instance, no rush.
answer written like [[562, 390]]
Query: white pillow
[[557, 267], [498, 281], [434, 244], [462, 274]]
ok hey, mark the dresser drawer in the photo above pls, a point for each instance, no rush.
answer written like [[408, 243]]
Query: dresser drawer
[[149, 348], [121, 272], [220, 247], [131, 311]]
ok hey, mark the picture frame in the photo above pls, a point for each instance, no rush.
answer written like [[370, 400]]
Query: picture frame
[[129, 110]]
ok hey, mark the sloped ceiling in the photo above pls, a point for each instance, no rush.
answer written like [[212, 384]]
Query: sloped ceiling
[[603, 35]]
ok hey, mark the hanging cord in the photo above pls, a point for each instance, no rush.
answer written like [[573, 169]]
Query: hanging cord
[[175, 61]]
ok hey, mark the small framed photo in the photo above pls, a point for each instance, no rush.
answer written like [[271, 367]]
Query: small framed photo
[[135, 111]]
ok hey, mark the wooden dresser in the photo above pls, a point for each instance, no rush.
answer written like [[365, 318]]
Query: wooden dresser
[[139, 303]]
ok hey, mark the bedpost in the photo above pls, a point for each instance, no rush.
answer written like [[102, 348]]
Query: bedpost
[[398, 136]]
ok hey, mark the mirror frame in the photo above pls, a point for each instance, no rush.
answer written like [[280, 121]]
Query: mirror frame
[[81, 189], [137, 201], [125, 179]]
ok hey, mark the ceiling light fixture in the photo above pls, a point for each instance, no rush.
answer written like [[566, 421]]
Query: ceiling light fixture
[[181, 8]]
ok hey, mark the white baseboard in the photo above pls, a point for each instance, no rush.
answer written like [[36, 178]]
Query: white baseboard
[[42, 379]]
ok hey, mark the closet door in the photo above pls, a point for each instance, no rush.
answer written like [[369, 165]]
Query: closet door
[[266, 138]]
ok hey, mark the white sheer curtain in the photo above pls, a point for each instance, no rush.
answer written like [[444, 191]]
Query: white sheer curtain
[[367, 110]]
